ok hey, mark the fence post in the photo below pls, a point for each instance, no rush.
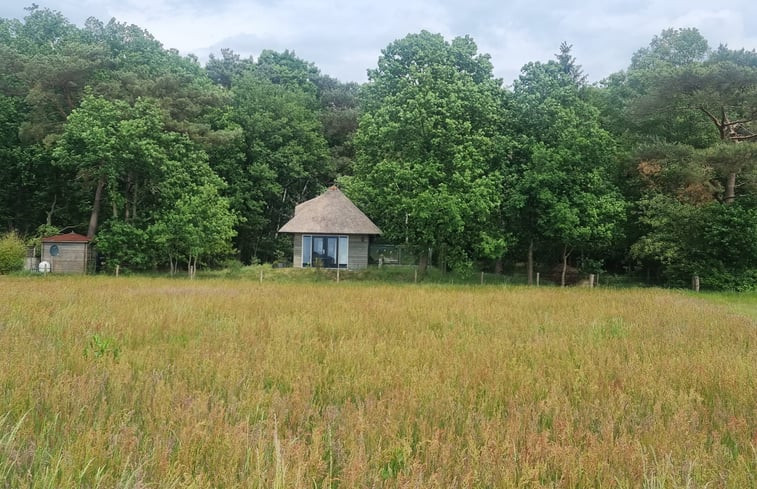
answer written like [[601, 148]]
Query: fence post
[[537, 278], [591, 280], [118, 267], [337, 275], [415, 277], [695, 283], [261, 275], [482, 278]]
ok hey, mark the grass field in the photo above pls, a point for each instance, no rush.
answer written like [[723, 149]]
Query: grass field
[[149, 382]]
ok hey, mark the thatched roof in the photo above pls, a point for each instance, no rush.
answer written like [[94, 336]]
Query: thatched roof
[[330, 213]]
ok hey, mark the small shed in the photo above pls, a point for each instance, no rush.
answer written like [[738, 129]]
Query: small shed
[[66, 253], [331, 232]]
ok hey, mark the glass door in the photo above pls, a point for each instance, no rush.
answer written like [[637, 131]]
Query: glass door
[[325, 251]]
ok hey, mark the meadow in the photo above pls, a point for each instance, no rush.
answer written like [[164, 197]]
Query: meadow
[[149, 382]]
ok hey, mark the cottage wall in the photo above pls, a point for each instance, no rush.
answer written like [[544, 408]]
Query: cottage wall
[[71, 258], [358, 251], [297, 258]]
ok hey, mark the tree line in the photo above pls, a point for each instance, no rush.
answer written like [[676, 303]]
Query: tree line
[[166, 162]]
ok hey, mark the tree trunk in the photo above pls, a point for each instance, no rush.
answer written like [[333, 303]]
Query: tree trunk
[[530, 263], [498, 266], [95, 216], [564, 265], [49, 219], [422, 263], [134, 202], [730, 188]]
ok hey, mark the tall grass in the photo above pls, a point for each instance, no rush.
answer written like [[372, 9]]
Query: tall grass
[[166, 383]]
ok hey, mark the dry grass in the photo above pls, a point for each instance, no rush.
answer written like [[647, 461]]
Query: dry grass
[[169, 383]]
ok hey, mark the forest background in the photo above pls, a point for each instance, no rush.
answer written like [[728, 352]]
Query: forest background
[[164, 161]]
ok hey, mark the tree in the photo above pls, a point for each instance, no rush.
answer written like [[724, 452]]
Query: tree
[[285, 160], [673, 47], [48, 66], [12, 253], [226, 69], [114, 149], [340, 109], [725, 95], [158, 185], [716, 242], [688, 116], [429, 148], [568, 65], [619, 96], [560, 187], [194, 221]]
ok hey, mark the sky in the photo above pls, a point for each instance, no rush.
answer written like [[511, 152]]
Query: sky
[[344, 38]]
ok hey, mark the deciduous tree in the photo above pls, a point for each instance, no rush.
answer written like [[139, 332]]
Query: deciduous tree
[[429, 148]]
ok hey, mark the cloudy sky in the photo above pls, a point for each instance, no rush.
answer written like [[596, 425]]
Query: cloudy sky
[[345, 37]]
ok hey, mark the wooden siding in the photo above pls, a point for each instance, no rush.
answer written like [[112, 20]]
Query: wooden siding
[[358, 252], [72, 257], [297, 255]]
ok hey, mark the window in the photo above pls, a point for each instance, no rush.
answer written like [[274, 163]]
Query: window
[[54, 250], [325, 251], [307, 250]]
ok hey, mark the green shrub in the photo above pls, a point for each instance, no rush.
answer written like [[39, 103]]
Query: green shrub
[[12, 253]]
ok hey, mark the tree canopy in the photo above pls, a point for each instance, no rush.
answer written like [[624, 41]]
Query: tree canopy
[[166, 162], [429, 146]]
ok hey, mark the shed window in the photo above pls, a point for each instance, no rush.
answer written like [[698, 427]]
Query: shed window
[[325, 251], [54, 250]]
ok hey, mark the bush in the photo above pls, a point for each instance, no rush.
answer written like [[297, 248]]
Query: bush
[[12, 253]]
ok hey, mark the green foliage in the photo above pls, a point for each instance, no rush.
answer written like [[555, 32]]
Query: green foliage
[[101, 347], [125, 245], [716, 242], [42, 231], [163, 195], [687, 116], [673, 47], [197, 225], [12, 253], [285, 159], [725, 254], [560, 191], [429, 147], [226, 69], [175, 163]]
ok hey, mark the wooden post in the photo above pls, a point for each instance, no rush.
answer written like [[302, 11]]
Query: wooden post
[[415, 278], [591, 280], [482, 278], [118, 267], [695, 283], [538, 275], [261, 275], [337, 275]]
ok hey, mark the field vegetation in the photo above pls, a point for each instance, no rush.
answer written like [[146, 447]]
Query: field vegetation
[[153, 382]]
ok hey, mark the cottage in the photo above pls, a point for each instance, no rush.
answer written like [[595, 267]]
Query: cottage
[[331, 232], [66, 253]]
